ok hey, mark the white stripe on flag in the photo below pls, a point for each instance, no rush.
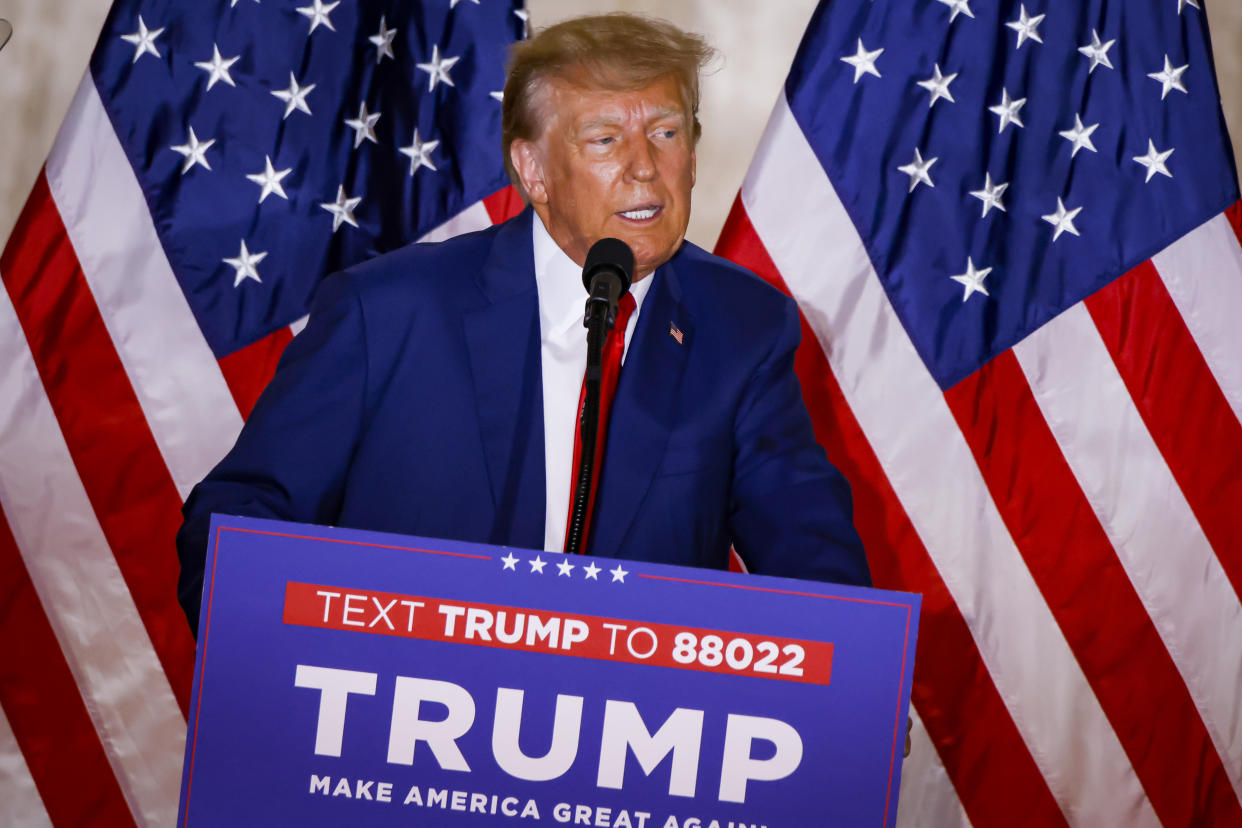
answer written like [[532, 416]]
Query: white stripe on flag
[[1200, 271], [475, 217], [178, 382], [1145, 515], [20, 803], [927, 794], [82, 590], [908, 423]]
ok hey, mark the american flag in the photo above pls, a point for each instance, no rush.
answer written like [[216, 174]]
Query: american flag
[[219, 158], [1012, 229]]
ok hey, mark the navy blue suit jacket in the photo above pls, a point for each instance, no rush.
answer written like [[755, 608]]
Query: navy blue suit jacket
[[413, 403]]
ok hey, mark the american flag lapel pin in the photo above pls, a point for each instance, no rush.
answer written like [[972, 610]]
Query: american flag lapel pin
[[676, 334]]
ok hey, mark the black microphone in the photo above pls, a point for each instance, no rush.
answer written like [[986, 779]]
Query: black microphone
[[6, 31], [607, 274]]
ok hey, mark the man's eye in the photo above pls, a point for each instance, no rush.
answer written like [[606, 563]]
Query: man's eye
[[604, 140], [667, 133]]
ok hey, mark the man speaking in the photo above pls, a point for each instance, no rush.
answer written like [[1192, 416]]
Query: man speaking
[[435, 390]]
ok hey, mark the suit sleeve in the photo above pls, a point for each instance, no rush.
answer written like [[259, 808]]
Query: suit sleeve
[[293, 454], [791, 513]]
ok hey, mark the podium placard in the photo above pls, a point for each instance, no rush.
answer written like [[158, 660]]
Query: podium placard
[[358, 678]]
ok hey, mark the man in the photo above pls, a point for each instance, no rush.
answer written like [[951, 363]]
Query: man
[[434, 390]]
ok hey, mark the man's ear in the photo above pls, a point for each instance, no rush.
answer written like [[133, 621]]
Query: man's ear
[[527, 160]]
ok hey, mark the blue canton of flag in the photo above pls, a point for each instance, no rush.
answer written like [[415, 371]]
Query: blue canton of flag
[[277, 142], [1005, 160]]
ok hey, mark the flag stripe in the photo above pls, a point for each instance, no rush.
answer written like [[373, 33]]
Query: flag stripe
[[978, 742], [1146, 517], [503, 204], [104, 426], [1044, 509], [248, 371], [927, 795], [884, 382], [175, 377], [19, 798], [82, 590], [45, 710]]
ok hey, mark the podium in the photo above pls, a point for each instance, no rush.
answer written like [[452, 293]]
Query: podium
[[358, 678]]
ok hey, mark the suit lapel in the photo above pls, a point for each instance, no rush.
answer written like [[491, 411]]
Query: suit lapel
[[643, 411], [502, 338]]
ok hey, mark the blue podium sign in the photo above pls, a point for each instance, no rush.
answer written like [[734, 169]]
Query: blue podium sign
[[357, 678]]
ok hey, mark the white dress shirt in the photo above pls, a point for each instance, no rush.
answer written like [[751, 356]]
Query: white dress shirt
[[562, 351]]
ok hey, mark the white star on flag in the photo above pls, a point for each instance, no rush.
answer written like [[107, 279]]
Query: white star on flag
[[1154, 161], [1097, 51], [438, 69], [269, 180], [217, 68], [294, 97], [419, 153], [990, 195], [195, 152], [244, 264], [1062, 220], [363, 126], [536, 566], [510, 562], [1008, 110], [972, 279], [498, 95], [618, 574], [958, 7], [143, 40], [1170, 78], [1182, 4], [453, 3], [383, 41], [918, 170], [342, 209], [564, 568], [1080, 136], [592, 571], [863, 61], [938, 86], [1027, 27], [318, 13]]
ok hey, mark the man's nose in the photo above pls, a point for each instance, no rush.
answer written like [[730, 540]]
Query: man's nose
[[642, 166]]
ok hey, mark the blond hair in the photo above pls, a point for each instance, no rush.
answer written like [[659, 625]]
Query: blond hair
[[619, 51]]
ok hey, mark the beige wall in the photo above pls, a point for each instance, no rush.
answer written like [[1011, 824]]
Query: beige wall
[[52, 39]]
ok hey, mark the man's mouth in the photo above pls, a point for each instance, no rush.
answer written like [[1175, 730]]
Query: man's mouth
[[646, 213]]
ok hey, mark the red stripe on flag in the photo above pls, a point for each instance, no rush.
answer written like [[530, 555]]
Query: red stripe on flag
[[1120, 651], [504, 204], [248, 371], [42, 703], [1234, 214], [1188, 416], [113, 450], [984, 754]]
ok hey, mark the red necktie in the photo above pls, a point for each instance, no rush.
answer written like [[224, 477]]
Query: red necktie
[[614, 348]]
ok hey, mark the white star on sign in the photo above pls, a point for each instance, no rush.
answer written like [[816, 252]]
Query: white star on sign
[[1008, 110], [294, 97], [938, 86], [972, 280], [244, 265], [1062, 220], [564, 568], [1097, 51], [143, 40], [318, 13], [217, 68], [1154, 161], [1027, 27], [990, 195], [383, 41], [863, 61], [537, 565], [1080, 136], [363, 126], [510, 562], [958, 7], [918, 170], [438, 69], [195, 152], [592, 571], [1170, 78], [618, 574], [342, 209], [269, 180], [1182, 4], [420, 153]]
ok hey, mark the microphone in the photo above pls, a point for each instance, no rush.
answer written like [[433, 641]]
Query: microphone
[[607, 274], [6, 31]]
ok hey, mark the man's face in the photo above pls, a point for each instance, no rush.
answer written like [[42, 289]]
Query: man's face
[[617, 164]]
